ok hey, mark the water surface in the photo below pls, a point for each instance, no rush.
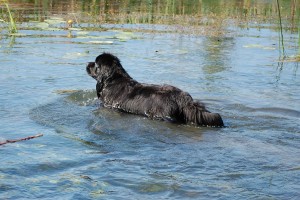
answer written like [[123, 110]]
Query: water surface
[[91, 152]]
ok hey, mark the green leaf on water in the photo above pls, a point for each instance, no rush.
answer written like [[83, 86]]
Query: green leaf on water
[[75, 29], [124, 36], [259, 46], [52, 29], [100, 42], [74, 55], [53, 181], [42, 25], [82, 32], [182, 51], [55, 20], [82, 36], [153, 187]]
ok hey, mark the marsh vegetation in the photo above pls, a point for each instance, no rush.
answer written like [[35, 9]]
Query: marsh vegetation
[[194, 17]]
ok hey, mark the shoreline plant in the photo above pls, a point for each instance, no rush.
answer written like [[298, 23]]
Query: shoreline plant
[[11, 25]]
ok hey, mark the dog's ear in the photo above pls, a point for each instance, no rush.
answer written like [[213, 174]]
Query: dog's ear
[[107, 65], [104, 71]]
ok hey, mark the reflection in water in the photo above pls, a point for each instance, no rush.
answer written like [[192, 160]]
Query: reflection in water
[[217, 60], [281, 66], [217, 54]]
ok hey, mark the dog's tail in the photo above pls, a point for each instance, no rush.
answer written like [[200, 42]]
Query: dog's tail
[[196, 114]]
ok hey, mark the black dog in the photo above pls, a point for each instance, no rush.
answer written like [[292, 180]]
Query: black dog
[[118, 90]]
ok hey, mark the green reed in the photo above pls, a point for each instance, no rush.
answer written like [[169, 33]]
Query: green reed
[[11, 25], [281, 41]]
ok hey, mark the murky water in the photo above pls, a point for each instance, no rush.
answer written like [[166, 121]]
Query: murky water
[[90, 152]]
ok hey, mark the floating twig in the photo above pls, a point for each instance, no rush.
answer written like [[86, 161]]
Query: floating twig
[[21, 139]]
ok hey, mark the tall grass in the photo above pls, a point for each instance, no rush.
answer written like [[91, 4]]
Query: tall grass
[[11, 25]]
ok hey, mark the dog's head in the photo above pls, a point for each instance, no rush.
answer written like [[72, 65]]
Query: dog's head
[[106, 66]]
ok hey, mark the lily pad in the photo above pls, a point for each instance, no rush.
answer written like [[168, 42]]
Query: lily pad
[[73, 55], [82, 36], [53, 181], [124, 36], [100, 42], [153, 188], [259, 46], [42, 25], [55, 20], [52, 29], [82, 32], [182, 51], [74, 29]]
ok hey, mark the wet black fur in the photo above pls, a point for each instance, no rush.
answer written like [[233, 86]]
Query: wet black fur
[[118, 90]]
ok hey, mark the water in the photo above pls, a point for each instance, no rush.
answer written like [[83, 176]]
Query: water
[[90, 152]]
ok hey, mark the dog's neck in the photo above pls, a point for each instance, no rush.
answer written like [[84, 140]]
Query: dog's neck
[[116, 79], [116, 76]]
